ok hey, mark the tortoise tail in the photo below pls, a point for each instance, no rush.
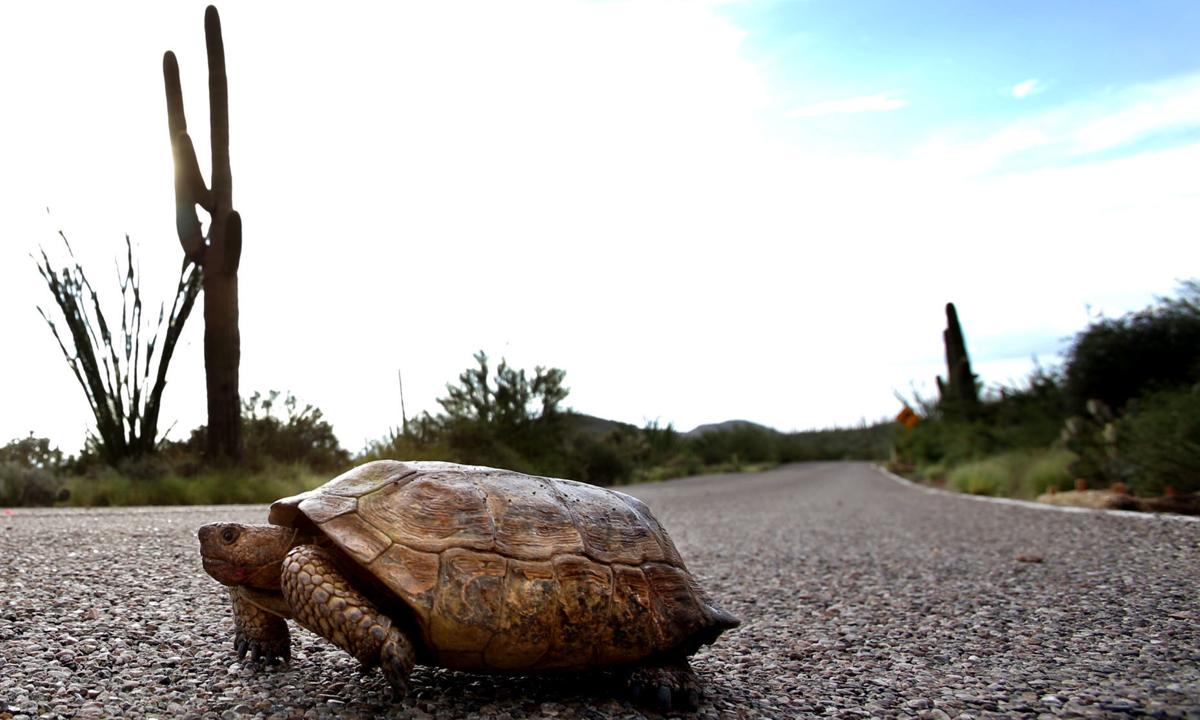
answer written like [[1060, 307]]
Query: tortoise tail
[[721, 619]]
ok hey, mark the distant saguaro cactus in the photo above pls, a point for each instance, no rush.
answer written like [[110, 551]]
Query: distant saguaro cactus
[[958, 391], [218, 253]]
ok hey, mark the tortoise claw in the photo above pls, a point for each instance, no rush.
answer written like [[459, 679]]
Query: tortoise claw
[[262, 651], [664, 698], [665, 688]]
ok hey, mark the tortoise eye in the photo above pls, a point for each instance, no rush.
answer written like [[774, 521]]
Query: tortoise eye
[[229, 534]]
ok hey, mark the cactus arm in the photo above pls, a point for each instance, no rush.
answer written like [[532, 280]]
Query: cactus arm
[[189, 184], [176, 120], [218, 98]]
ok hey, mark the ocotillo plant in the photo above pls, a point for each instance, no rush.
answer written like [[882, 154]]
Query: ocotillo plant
[[113, 365], [958, 391], [219, 253]]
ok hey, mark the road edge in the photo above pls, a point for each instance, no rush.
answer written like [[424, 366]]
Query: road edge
[[1036, 505]]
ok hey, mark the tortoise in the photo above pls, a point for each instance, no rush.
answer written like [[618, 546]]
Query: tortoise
[[470, 568]]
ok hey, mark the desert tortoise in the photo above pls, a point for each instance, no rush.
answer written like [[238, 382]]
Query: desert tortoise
[[471, 568]]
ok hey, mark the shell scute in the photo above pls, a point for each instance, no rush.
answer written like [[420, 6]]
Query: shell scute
[[323, 508], [468, 601], [432, 513], [360, 539], [674, 601], [632, 618], [350, 484], [530, 521], [612, 531], [530, 624], [367, 478], [411, 574], [670, 555], [585, 590]]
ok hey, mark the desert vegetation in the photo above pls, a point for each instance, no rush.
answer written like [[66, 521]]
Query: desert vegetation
[[1123, 410], [492, 415]]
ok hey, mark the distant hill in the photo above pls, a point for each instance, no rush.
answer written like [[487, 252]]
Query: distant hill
[[727, 425], [594, 427]]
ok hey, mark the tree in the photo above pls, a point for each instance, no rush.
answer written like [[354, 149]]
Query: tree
[[122, 377], [472, 398], [508, 401], [506, 419], [219, 253], [1116, 360]]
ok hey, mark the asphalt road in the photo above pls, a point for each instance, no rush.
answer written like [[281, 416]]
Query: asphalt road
[[860, 597]]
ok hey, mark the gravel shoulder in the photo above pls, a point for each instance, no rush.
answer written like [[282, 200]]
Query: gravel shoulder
[[860, 597]]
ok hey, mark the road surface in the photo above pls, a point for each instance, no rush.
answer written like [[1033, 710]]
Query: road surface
[[860, 596]]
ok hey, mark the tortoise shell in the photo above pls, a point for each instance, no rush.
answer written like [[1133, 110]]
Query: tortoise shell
[[505, 571]]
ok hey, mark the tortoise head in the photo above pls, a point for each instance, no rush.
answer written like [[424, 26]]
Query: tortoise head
[[250, 555]]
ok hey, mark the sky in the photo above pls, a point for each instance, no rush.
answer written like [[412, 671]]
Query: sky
[[700, 210]]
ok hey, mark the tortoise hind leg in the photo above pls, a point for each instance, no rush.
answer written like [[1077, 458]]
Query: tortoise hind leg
[[668, 685], [323, 601]]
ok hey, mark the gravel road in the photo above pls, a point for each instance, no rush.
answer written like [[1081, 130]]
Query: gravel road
[[860, 597]]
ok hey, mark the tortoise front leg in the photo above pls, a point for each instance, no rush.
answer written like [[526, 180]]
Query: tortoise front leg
[[323, 601], [262, 633]]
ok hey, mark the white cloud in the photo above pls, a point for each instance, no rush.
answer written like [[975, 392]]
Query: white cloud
[[1026, 88], [1115, 118], [880, 102], [620, 215], [1139, 112]]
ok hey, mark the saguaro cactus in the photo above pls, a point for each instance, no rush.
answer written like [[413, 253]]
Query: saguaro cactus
[[218, 253], [958, 391]]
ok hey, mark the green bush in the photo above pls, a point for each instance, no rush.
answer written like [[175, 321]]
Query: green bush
[[1047, 470], [1159, 440], [31, 472], [277, 431], [1116, 360], [601, 462], [937, 472], [992, 476], [33, 452], [21, 485], [1020, 473], [109, 487]]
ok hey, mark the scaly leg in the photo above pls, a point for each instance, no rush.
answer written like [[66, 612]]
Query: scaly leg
[[261, 633], [323, 601]]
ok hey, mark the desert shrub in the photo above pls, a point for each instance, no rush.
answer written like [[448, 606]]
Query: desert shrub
[[109, 487], [1027, 416], [1116, 360], [736, 445], [1019, 473], [22, 485], [282, 432], [1049, 469], [475, 443], [865, 442], [398, 445], [1092, 438], [991, 476], [1159, 440], [31, 472], [33, 452], [601, 462], [936, 472]]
